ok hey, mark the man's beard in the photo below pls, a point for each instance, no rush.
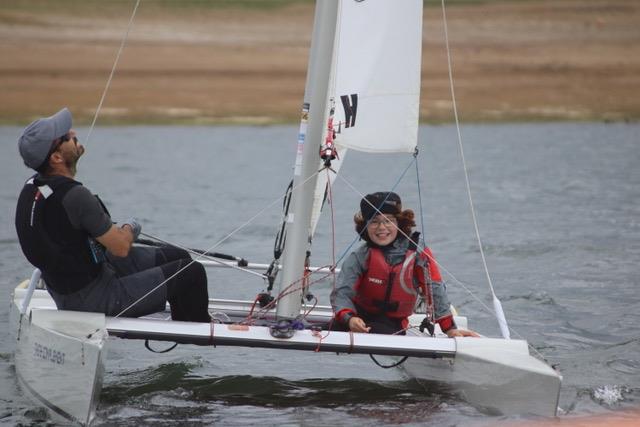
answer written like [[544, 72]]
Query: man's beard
[[71, 161]]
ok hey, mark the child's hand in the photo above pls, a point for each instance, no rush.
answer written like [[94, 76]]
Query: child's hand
[[461, 333], [356, 324]]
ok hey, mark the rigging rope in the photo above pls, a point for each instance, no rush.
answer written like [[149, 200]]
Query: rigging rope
[[353, 242], [392, 365], [291, 288], [210, 249], [203, 254], [442, 268], [333, 251], [502, 321], [419, 195], [113, 70]]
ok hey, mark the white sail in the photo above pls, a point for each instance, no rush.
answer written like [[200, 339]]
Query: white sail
[[375, 81], [378, 52]]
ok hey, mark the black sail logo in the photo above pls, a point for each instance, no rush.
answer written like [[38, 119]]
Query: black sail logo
[[350, 105]]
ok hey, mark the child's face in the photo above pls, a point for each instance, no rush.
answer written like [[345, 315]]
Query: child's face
[[382, 229]]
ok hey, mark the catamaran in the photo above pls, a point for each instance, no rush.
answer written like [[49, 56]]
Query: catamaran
[[362, 93]]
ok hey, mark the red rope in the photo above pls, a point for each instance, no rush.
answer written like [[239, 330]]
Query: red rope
[[320, 337], [304, 280]]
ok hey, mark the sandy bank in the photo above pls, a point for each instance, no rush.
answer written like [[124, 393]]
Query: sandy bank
[[513, 60]]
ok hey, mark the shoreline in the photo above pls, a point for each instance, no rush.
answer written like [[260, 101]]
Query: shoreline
[[193, 64], [84, 121]]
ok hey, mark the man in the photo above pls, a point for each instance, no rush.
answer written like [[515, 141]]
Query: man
[[88, 263]]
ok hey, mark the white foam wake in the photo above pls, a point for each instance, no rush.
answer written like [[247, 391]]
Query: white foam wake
[[609, 394]]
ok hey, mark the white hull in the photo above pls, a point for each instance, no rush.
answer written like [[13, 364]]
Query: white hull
[[59, 357], [496, 375]]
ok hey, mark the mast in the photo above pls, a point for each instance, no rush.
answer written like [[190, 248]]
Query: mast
[[312, 126]]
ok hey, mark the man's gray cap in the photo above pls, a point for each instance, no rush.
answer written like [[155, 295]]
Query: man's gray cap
[[37, 138]]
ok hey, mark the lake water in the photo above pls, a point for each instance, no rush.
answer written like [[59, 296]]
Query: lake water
[[558, 207]]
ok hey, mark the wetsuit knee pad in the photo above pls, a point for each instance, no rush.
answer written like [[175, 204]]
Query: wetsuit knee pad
[[168, 254], [190, 274]]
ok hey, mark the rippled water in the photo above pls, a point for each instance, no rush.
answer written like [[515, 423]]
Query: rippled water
[[558, 209]]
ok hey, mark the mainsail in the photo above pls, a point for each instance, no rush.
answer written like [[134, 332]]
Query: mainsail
[[377, 66]]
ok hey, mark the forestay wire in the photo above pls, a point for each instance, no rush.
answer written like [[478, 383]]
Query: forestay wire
[[502, 321], [415, 155], [113, 70]]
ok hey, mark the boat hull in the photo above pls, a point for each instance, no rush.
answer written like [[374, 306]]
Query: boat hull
[[59, 360], [497, 376]]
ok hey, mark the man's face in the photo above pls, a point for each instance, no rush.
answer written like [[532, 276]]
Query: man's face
[[70, 150]]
